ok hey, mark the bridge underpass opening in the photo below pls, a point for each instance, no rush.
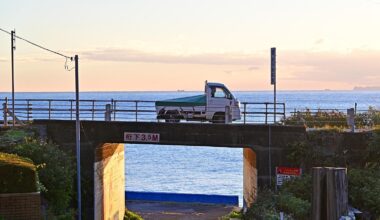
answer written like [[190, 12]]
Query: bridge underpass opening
[[186, 169]]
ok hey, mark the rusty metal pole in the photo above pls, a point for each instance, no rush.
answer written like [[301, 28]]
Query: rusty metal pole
[[77, 138], [13, 77]]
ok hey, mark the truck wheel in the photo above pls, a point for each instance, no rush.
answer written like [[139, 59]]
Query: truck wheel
[[218, 119], [172, 117]]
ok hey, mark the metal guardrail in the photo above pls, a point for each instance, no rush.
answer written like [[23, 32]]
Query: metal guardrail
[[121, 110]]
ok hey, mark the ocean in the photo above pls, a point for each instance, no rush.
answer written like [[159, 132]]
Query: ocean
[[206, 170]]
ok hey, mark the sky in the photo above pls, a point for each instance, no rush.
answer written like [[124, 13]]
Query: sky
[[151, 45]]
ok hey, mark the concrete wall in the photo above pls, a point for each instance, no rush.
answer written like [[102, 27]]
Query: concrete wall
[[109, 182], [249, 177], [20, 206], [255, 137]]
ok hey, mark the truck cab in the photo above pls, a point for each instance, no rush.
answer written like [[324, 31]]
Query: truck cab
[[220, 103]]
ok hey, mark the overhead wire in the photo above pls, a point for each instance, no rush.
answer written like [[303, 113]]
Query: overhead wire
[[41, 47]]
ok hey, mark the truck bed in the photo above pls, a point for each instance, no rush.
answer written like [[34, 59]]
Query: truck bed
[[198, 100]]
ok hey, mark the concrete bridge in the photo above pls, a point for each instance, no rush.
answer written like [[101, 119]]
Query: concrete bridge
[[100, 140]]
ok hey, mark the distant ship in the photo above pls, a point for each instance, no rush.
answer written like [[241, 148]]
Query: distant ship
[[180, 90]]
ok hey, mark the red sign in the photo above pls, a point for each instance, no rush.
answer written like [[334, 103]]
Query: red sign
[[293, 171], [141, 137], [286, 173]]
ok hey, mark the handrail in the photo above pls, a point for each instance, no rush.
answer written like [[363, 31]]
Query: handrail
[[125, 110]]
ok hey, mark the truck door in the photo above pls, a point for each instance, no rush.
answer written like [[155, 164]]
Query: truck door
[[219, 99]]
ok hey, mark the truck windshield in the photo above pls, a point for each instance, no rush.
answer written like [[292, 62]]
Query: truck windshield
[[218, 92]]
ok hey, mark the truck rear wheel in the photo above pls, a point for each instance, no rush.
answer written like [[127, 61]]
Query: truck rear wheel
[[218, 119], [172, 117]]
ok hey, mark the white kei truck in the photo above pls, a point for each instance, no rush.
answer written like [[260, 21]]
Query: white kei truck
[[216, 105]]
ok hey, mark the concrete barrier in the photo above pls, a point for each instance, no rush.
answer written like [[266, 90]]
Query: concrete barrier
[[182, 197]]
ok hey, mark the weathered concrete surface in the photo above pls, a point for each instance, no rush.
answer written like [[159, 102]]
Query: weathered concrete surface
[[254, 137], [109, 182], [249, 177], [178, 211]]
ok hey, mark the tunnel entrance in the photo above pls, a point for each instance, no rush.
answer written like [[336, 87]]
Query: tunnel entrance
[[201, 176], [184, 169]]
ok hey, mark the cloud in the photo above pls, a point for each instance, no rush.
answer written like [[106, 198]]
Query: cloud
[[249, 69], [319, 41], [356, 66], [131, 55]]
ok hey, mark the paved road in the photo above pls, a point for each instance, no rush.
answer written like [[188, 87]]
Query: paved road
[[178, 211]]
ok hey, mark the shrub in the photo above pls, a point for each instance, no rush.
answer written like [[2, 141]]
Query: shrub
[[299, 187], [234, 215], [131, 216], [364, 190], [55, 167], [296, 207], [332, 118], [17, 174], [264, 206], [373, 151]]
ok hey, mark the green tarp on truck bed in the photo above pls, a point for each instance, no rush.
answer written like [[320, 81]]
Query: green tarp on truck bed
[[198, 100]]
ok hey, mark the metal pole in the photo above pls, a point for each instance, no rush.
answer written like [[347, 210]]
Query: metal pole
[[266, 113], [274, 100], [77, 137], [13, 78], [245, 112], [5, 106], [136, 108], [273, 80], [269, 154]]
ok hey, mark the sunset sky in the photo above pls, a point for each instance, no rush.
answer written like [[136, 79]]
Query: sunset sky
[[178, 44]]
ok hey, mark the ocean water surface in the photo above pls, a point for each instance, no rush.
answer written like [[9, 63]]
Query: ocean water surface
[[207, 170]]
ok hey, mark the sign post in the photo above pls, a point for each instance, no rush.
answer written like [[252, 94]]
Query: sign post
[[273, 78], [286, 173]]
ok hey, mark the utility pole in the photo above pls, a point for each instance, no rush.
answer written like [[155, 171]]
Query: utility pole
[[77, 137], [13, 48]]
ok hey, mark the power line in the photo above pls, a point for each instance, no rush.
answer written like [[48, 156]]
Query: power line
[[39, 46]]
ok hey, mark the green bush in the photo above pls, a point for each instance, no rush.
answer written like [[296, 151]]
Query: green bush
[[332, 118], [54, 166], [364, 190], [294, 206], [131, 216], [299, 187], [264, 207], [17, 174], [233, 214], [373, 151]]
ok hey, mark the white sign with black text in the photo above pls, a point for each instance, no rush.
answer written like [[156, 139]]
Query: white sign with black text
[[141, 137]]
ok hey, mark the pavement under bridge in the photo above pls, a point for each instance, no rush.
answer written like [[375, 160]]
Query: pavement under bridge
[[102, 153]]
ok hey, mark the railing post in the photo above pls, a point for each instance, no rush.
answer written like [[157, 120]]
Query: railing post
[[107, 114], [266, 113], [114, 109], [245, 112], [49, 109], [71, 109], [284, 110], [5, 108], [136, 108], [27, 110], [93, 109]]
